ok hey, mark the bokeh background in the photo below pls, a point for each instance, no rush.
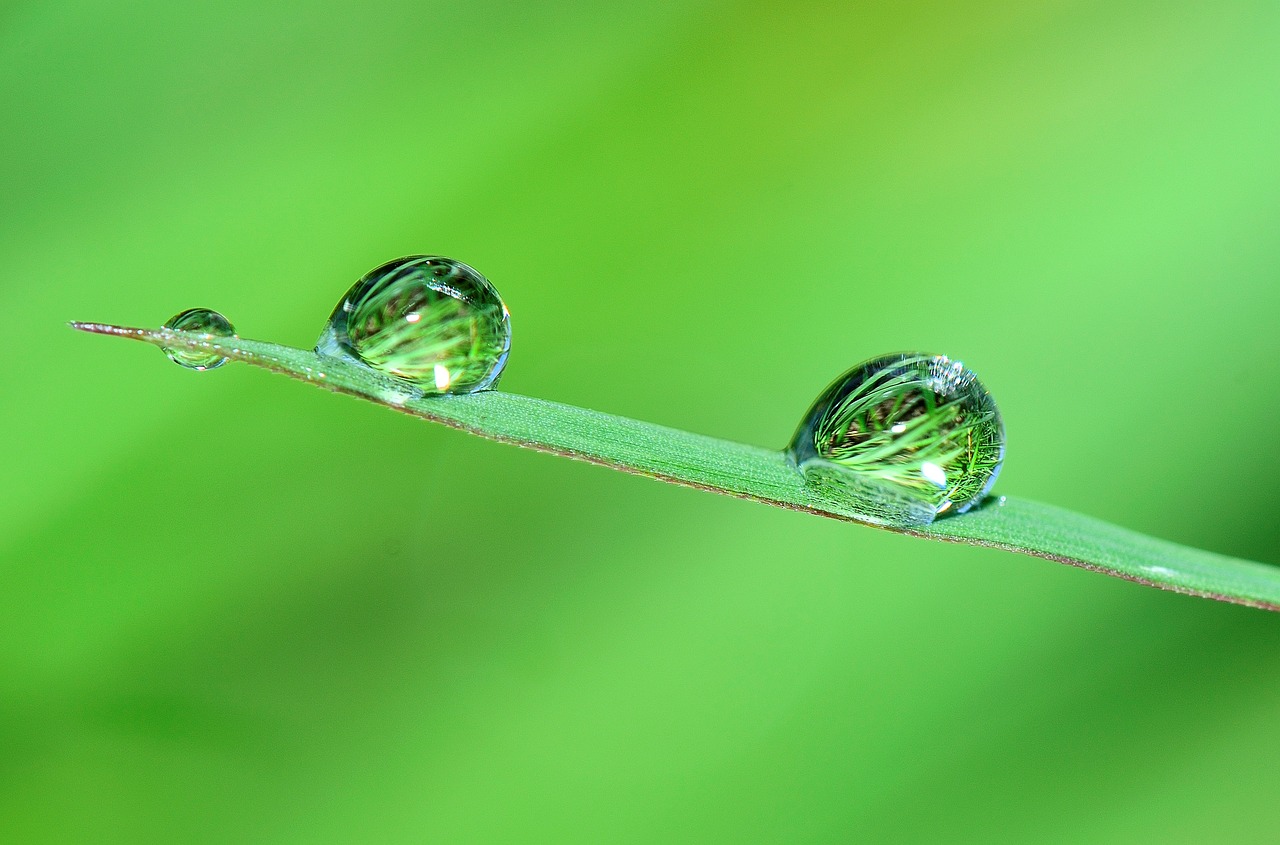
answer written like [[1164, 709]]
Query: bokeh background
[[236, 609]]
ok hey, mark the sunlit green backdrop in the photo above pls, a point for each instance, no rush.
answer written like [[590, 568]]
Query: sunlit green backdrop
[[236, 609]]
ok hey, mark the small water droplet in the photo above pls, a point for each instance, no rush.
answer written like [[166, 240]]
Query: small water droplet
[[424, 319], [901, 440], [201, 320]]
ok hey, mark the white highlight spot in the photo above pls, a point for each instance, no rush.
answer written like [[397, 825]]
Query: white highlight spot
[[443, 377], [898, 428], [413, 318], [934, 474]]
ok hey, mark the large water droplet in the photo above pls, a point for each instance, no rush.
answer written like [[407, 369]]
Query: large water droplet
[[424, 319], [902, 439], [204, 321]]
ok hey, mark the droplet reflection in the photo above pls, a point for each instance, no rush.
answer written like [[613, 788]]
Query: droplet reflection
[[204, 321], [902, 439], [427, 320]]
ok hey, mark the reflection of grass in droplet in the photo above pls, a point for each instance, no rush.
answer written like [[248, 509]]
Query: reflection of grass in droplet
[[898, 419], [199, 320], [449, 333]]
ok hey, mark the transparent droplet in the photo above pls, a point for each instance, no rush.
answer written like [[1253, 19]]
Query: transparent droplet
[[204, 321], [901, 440], [424, 319]]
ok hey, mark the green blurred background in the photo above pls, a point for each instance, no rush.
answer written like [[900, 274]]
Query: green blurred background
[[235, 609]]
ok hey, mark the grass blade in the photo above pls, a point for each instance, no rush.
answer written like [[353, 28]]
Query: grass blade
[[750, 472]]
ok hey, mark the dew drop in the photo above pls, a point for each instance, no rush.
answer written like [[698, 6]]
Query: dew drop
[[203, 321], [901, 440], [424, 319]]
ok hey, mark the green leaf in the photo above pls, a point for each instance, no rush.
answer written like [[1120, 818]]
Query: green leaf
[[750, 472]]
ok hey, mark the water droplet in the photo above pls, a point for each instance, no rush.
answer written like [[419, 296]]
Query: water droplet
[[902, 439], [201, 320], [424, 319]]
